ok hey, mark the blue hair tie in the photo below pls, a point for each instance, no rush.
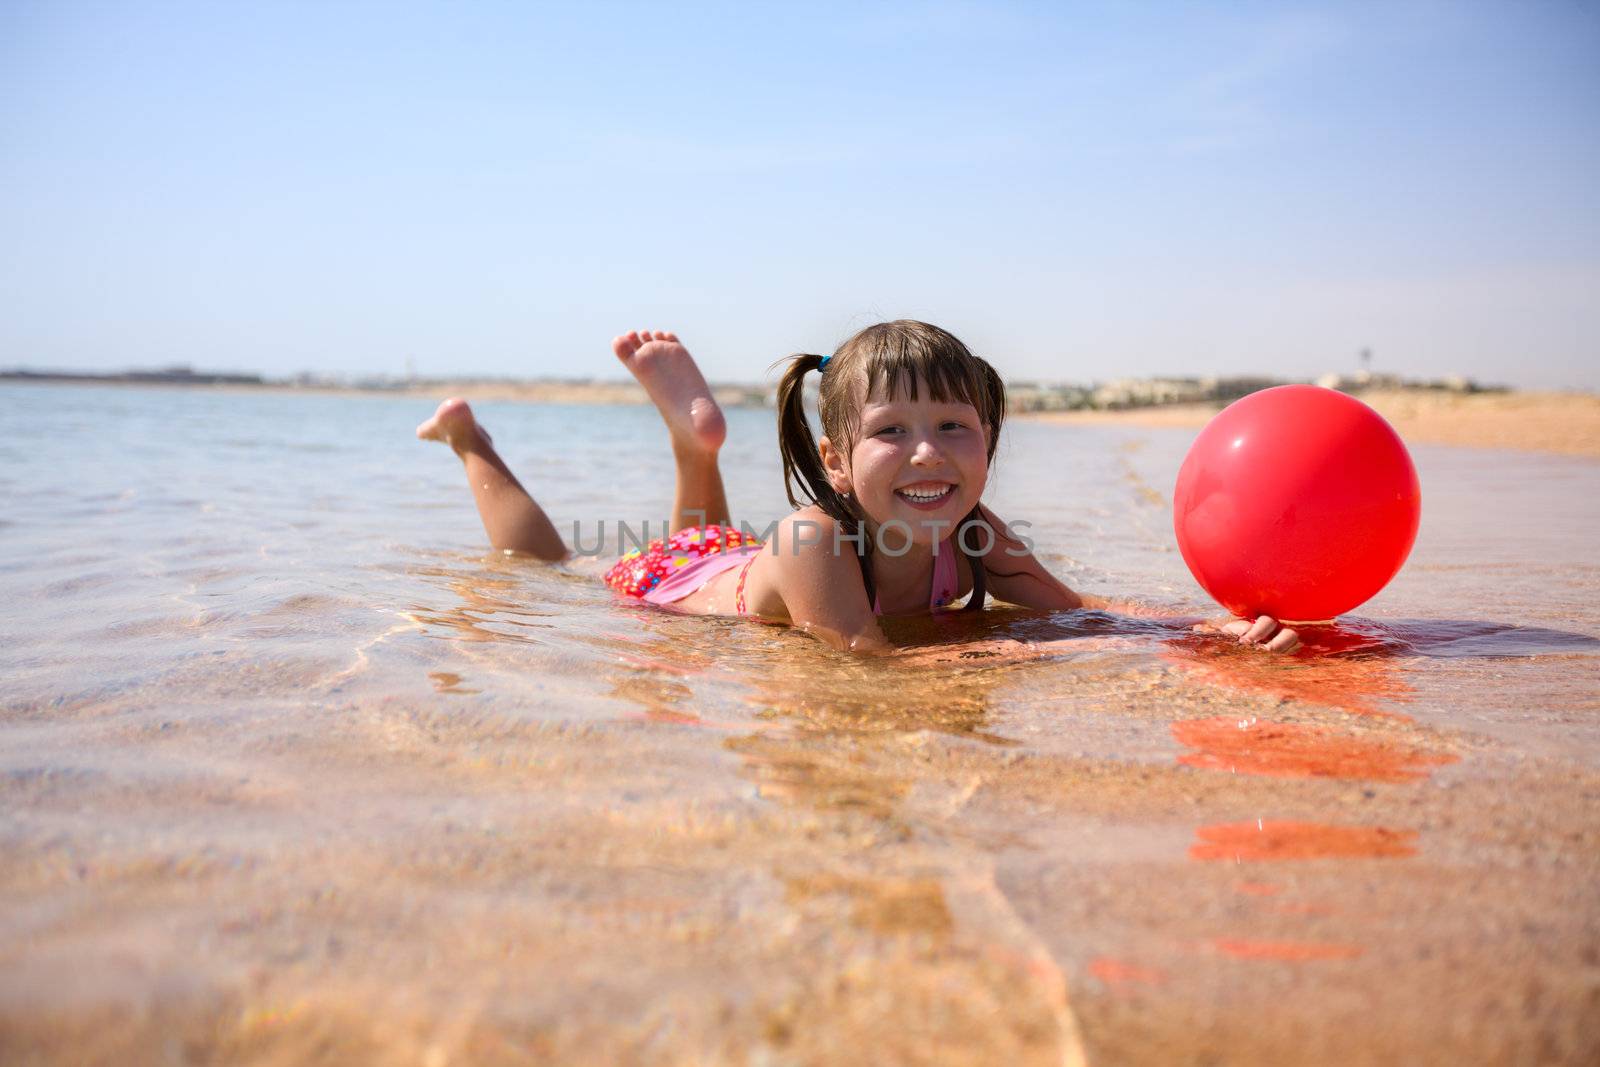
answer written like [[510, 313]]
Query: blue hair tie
[[824, 364]]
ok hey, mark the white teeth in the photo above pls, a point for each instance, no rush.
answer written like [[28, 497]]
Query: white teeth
[[925, 495]]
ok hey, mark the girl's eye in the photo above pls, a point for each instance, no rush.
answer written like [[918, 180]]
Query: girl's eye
[[885, 430], [954, 426]]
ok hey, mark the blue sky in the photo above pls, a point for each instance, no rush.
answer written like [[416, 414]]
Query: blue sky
[[1080, 191]]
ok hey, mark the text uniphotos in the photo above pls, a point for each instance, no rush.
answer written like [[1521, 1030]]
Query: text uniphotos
[[892, 538]]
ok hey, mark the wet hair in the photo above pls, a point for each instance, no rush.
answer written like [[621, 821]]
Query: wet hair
[[898, 358]]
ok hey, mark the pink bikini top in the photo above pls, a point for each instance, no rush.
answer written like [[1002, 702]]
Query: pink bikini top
[[946, 581]]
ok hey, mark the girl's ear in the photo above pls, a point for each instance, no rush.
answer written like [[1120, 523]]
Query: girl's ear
[[834, 463]]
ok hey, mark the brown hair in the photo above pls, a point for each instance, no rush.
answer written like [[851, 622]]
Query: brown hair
[[900, 358]]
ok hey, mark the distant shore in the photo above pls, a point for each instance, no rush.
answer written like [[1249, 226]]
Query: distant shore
[[1566, 423], [527, 392]]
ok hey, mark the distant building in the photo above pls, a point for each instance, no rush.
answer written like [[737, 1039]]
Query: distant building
[[1364, 380], [1149, 392]]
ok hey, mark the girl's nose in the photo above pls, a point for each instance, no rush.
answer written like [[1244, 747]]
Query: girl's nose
[[927, 454]]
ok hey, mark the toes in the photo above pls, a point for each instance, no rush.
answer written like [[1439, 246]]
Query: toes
[[628, 345], [644, 337], [625, 345]]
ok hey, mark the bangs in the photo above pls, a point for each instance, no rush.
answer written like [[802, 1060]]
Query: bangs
[[904, 375], [900, 363], [907, 360]]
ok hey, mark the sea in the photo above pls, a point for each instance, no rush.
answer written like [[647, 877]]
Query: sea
[[295, 769]]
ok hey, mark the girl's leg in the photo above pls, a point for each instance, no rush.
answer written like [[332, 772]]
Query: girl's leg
[[668, 373], [514, 522]]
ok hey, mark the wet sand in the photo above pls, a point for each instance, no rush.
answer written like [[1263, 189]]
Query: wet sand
[[1564, 423], [1154, 873]]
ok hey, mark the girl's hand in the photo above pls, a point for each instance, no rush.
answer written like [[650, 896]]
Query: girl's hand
[[1265, 631]]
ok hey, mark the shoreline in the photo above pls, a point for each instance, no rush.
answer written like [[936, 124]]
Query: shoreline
[[1552, 422], [621, 393]]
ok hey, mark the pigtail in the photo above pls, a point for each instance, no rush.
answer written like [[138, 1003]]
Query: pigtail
[[980, 574], [802, 464], [803, 473], [994, 391]]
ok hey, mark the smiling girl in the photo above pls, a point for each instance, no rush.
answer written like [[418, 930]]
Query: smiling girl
[[888, 519]]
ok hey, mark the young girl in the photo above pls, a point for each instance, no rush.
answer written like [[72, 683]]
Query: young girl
[[891, 521]]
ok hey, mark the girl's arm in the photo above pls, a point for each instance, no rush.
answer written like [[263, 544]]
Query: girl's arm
[[1017, 577], [822, 589]]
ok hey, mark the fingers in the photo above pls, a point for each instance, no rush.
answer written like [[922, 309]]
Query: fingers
[[1265, 632], [1248, 633], [1259, 631], [1286, 640]]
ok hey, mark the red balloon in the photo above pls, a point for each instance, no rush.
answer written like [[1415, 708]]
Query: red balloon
[[1297, 502]]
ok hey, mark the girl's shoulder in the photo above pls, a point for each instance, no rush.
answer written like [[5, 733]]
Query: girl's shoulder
[[806, 553], [811, 516], [809, 533]]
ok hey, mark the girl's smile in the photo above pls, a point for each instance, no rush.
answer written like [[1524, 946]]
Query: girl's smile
[[918, 460], [926, 495]]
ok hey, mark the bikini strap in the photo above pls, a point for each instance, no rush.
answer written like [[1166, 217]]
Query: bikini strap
[[738, 592], [946, 579], [980, 576]]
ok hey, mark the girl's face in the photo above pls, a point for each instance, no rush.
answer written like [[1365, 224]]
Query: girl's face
[[922, 462]]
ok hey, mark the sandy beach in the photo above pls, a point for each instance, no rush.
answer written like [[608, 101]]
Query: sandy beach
[[1564, 423]]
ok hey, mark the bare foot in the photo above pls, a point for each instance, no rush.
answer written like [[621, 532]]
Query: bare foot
[[668, 373], [455, 425]]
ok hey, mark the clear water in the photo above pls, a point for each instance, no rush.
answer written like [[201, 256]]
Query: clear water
[[292, 768]]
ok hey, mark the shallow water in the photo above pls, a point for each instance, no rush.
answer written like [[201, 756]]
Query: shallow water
[[293, 770]]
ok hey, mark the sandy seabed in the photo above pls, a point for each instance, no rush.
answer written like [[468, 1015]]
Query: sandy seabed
[[293, 771]]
